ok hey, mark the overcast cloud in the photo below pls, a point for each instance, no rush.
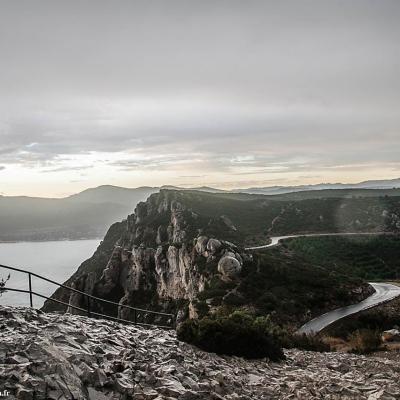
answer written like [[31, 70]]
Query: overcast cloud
[[191, 93]]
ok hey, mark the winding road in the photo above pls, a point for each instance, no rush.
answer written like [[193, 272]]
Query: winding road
[[383, 291], [275, 240]]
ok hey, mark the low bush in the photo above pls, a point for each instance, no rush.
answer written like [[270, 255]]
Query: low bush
[[201, 308], [365, 341], [237, 334]]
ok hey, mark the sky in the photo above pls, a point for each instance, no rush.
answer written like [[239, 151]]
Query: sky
[[221, 93]]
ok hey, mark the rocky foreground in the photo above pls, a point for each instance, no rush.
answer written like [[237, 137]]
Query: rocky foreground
[[51, 356]]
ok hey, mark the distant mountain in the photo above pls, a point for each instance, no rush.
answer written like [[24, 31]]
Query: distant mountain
[[329, 193], [114, 194], [87, 214], [276, 190], [83, 215], [273, 190], [200, 188]]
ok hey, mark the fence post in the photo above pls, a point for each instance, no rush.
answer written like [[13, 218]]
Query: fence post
[[30, 289], [135, 316]]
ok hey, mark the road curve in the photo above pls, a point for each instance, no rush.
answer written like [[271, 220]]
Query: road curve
[[275, 240], [383, 292]]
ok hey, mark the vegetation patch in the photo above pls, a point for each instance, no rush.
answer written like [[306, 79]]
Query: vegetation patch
[[237, 334], [365, 341], [293, 289], [366, 257]]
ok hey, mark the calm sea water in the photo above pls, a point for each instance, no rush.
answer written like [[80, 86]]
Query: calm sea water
[[53, 260]]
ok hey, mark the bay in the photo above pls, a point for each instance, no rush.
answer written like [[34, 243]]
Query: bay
[[56, 260]]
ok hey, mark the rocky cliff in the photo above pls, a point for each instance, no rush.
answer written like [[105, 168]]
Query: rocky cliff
[[177, 253], [160, 256]]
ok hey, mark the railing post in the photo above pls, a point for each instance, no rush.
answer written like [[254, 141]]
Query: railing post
[[135, 317], [30, 289]]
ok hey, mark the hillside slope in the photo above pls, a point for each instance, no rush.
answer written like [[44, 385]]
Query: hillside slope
[[367, 257], [177, 253]]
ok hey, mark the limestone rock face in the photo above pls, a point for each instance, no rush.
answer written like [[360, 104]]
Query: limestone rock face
[[160, 257], [52, 356], [229, 267], [161, 234], [201, 244], [178, 223], [111, 274]]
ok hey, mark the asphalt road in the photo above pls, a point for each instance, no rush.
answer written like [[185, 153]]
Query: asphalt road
[[383, 292]]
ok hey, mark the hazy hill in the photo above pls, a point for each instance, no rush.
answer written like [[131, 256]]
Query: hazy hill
[[275, 190], [335, 193], [114, 195], [88, 214], [84, 215]]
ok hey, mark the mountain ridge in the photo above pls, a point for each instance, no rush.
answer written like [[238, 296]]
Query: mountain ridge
[[182, 251], [277, 189], [88, 214]]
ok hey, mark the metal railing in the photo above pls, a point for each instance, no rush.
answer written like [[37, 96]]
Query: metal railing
[[138, 313]]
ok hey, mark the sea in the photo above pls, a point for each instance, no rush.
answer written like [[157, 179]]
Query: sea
[[56, 260]]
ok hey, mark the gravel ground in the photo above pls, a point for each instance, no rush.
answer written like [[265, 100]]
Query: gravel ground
[[52, 356]]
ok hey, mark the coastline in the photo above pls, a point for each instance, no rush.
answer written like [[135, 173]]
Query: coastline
[[49, 240]]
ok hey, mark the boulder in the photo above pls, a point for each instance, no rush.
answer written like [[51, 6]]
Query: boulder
[[229, 267], [213, 246]]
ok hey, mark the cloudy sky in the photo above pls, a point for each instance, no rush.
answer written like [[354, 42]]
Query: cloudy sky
[[221, 93]]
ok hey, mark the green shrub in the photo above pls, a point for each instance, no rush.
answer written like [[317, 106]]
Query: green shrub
[[365, 341], [201, 308], [210, 293], [234, 299], [237, 334], [188, 331]]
